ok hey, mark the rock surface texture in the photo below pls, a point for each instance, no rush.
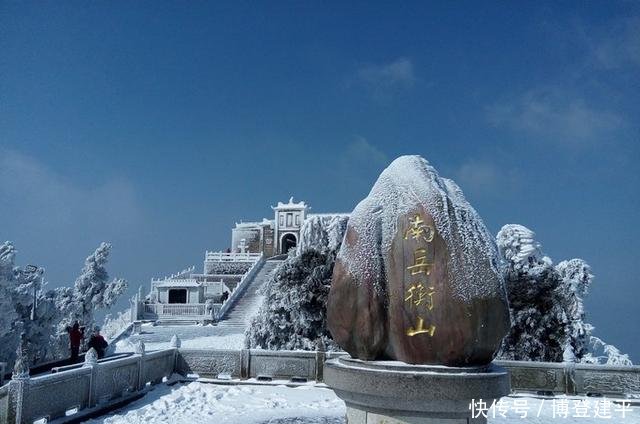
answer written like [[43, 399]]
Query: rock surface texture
[[417, 277]]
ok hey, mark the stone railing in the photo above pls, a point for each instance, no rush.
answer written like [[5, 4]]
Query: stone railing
[[254, 363], [534, 377], [573, 379], [241, 287], [97, 386], [231, 257], [4, 403], [176, 309], [81, 391]]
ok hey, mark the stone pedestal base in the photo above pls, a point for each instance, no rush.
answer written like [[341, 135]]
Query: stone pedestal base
[[391, 392]]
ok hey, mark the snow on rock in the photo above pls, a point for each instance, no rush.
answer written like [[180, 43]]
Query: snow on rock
[[452, 299], [408, 183]]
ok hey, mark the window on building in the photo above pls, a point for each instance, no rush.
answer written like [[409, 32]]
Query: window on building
[[297, 220], [282, 220], [289, 219]]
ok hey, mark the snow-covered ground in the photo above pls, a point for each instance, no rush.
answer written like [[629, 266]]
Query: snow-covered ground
[[198, 402], [209, 403], [191, 336], [231, 341]]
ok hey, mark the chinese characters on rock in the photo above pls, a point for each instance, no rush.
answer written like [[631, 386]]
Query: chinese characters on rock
[[419, 294]]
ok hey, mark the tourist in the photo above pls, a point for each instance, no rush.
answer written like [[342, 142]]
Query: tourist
[[76, 334], [98, 343], [224, 297]]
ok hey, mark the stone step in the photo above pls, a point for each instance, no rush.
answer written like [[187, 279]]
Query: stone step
[[237, 317]]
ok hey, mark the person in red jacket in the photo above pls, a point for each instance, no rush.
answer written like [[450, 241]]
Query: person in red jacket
[[98, 343], [76, 334]]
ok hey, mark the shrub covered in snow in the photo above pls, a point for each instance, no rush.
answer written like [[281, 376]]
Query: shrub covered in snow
[[293, 315], [321, 232], [294, 312], [546, 302]]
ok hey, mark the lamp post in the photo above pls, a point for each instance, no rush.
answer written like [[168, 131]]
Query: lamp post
[[32, 269]]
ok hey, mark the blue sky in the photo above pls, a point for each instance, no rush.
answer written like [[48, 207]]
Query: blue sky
[[157, 125]]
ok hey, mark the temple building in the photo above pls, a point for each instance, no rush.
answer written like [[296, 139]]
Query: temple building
[[201, 296], [271, 236]]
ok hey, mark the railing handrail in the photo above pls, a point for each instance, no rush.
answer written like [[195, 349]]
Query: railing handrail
[[231, 256], [238, 291], [174, 280], [25, 394], [79, 391]]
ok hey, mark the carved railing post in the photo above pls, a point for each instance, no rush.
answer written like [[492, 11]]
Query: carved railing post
[[320, 358], [3, 370], [175, 344], [91, 361], [132, 309], [570, 378], [245, 363], [138, 349], [19, 385], [175, 341]]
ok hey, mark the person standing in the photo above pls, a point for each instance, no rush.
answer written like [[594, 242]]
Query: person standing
[[98, 343], [76, 334]]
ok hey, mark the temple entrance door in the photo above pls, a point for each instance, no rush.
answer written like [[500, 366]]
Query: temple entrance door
[[177, 295], [288, 242]]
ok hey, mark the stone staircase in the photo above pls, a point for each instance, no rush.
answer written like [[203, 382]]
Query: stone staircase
[[238, 317]]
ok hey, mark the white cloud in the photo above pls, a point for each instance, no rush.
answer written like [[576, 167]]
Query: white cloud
[[477, 175], [361, 151], [398, 73], [40, 205], [482, 178], [385, 80], [556, 114], [359, 166], [619, 47]]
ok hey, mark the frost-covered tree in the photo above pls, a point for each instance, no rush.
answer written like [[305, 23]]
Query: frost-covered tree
[[17, 324], [537, 331], [10, 326], [42, 334], [92, 289], [547, 303], [575, 278], [293, 315], [603, 353], [321, 232], [294, 312]]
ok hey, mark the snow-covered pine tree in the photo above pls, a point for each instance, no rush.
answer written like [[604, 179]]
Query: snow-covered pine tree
[[546, 302], [9, 319], [575, 279], [92, 289], [538, 331], [44, 337], [17, 286], [293, 315], [321, 232], [294, 312]]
